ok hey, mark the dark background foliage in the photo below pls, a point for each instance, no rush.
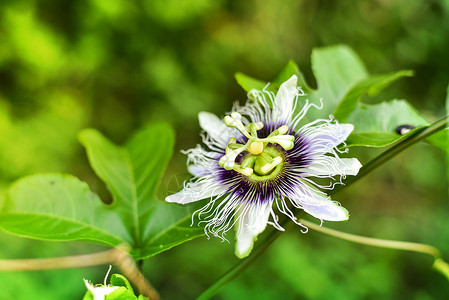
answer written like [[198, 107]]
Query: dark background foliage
[[117, 65]]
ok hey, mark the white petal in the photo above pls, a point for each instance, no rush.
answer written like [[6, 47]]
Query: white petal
[[320, 206], [197, 170], [250, 224], [215, 127], [329, 136], [99, 292], [331, 166], [285, 99], [196, 191], [329, 211]]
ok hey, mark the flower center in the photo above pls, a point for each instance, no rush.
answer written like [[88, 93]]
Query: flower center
[[262, 161]]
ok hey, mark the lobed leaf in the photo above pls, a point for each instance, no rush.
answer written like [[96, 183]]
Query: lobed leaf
[[133, 173], [342, 80], [337, 69], [372, 85], [248, 83], [61, 207]]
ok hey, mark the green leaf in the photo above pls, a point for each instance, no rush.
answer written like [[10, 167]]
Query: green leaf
[[60, 207], [440, 140], [336, 70], [123, 292], [291, 69], [120, 280], [375, 125], [372, 85], [132, 173], [341, 78], [168, 225], [248, 83]]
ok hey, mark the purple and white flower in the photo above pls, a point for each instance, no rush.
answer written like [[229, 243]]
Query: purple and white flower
[[259, 158]]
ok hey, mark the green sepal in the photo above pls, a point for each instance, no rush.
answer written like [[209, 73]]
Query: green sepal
[[124, 292]]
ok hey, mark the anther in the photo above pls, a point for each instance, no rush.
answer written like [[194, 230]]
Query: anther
[[234, 146], [245, 171], [227, 161], [283, 129], [285, 141], [235, 120], [236, 116], [229, 121], [266, 157], [270, 166], [256, 125], [249, 161], [232, 141]]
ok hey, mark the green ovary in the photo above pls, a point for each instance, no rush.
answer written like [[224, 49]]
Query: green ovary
[[260, 162]]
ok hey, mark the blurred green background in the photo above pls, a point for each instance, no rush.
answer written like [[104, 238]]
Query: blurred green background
[[116, 65]]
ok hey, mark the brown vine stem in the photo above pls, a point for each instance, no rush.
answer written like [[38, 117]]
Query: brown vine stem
[[115, 256]]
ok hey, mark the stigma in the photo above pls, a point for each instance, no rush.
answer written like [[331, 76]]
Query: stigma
[[260, 159]]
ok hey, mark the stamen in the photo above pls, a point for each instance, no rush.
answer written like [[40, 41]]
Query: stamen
[[258, 161], [285, 141], [227, 161], [280, 131], [234, 146], [245, 171], [258, 125], [270, 166], [249, 161], [267, 157], [253, 127], [265, 163], [253, 130], [283, 129], [232, 141], [235, 120]]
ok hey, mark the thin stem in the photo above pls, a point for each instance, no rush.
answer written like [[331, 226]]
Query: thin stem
[[77, 261], [415, 247], [131, 271], [114, 256], [439, 264]]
